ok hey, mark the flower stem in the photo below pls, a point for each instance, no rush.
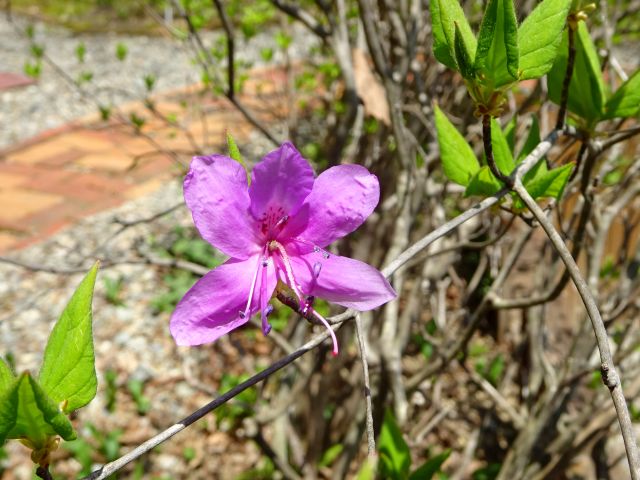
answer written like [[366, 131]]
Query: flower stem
[[564, 95], [488, 151]]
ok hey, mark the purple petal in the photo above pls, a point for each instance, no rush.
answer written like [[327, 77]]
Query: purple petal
[[341, 200], [342, 280], [215, 190], [211, 308], [279, 185]]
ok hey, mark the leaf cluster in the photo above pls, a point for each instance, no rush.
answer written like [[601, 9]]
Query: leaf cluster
[[36, 409]]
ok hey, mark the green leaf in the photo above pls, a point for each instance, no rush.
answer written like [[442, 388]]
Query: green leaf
[[6, 376], [465, 64], [395, 457], [586, 90], [121, 51], [497, 55], [539, 37], [444, 13], [483, 184], [330, 455], [510, 133], [458, 161], [234, 153], [38, 417], [626, 101], [551, 183], [533, 139], [429, 468], [367, 470], [501, 150], [8, 409], [68, 372]]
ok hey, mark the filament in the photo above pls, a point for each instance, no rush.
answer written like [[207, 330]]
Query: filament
[[331, 332]]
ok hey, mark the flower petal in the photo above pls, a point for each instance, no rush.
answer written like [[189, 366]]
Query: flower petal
[[211, 308], [279, 184], [342, 280], [341, 200], [215, 190]]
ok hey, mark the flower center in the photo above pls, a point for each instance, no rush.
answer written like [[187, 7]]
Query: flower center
[[306, 302], [271, 224], [272, 221]]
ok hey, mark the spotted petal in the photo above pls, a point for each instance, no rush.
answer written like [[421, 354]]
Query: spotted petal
[[279, 184], [215, 190], [211, 307], [342, 280]]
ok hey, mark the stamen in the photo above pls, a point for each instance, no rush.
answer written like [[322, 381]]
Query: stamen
[[275, 245], [328, 327], [247, 309], [316, 248], [264, 307]]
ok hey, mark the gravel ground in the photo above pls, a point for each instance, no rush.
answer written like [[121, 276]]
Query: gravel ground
[[53, 101], [132, 340]]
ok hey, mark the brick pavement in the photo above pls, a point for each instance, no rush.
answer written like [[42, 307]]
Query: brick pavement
[[62, 175]]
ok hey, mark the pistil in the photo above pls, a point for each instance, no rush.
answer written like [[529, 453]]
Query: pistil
[[274, 245]]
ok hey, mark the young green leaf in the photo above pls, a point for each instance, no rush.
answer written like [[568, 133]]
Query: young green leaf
[[501, 150], [68, 372], [234, 153], [626, 101], [483, 184], [367, 470], [497, 53], [38, 417], [429, 468], [586, 90], [465, 64], [533, 138], [550, 184], [539, 37], [458, 161], [6, 376], [395, 456], [444, 15], [8, 409], [510, 133]]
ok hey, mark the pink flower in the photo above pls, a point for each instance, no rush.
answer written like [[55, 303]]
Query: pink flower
[[275, 230]]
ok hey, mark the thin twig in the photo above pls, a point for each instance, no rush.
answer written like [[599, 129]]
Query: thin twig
[[106, 470], [610, 376], [43, 472], [116, 465], [371, 440], [541, 150]]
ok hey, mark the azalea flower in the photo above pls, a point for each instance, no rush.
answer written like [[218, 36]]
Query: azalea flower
[[275, 230]]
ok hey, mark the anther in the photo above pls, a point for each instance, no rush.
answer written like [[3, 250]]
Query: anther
[[308, 304], [316, 269], [282, 220]]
